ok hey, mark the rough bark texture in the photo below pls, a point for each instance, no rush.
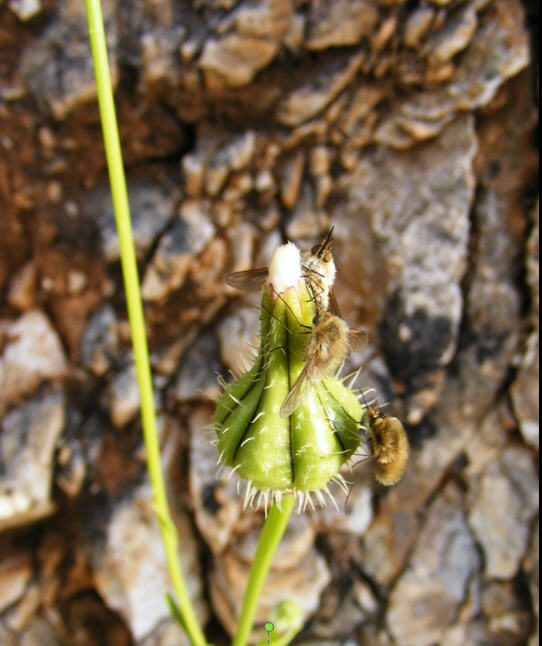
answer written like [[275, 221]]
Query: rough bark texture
[[409, 126]]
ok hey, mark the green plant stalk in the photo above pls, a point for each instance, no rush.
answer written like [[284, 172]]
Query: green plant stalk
[[135, 315], [272, 532]]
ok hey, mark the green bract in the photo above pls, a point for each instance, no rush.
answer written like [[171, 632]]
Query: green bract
[[300, 453]]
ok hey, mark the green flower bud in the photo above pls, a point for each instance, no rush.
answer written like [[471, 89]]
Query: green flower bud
[[300, 453]]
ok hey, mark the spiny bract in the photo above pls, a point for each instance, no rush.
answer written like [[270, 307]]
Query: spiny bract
[[301, 453]]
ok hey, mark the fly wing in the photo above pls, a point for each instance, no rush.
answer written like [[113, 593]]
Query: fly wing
[[357, 340], [298, 392], [250, 280], [333, 305]]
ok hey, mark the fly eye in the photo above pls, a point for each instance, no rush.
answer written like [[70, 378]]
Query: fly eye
[[315, 249], [315, 319]]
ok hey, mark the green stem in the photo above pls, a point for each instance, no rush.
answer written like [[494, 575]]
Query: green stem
[[135, 314], [272, 532]]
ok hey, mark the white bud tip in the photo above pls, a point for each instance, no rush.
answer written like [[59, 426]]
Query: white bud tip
[[285, 267]]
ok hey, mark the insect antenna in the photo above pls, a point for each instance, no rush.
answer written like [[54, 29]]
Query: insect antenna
[[326, 242]]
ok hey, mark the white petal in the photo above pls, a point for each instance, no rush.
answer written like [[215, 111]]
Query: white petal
[[285, 267]]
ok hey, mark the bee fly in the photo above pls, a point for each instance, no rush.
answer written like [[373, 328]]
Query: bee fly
[[319, 270], [329, 343], [388, 443]]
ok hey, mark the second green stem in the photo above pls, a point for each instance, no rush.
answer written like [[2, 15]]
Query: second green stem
[[272, 532]]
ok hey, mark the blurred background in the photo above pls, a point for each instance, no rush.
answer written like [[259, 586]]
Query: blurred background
[[412, 128]]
